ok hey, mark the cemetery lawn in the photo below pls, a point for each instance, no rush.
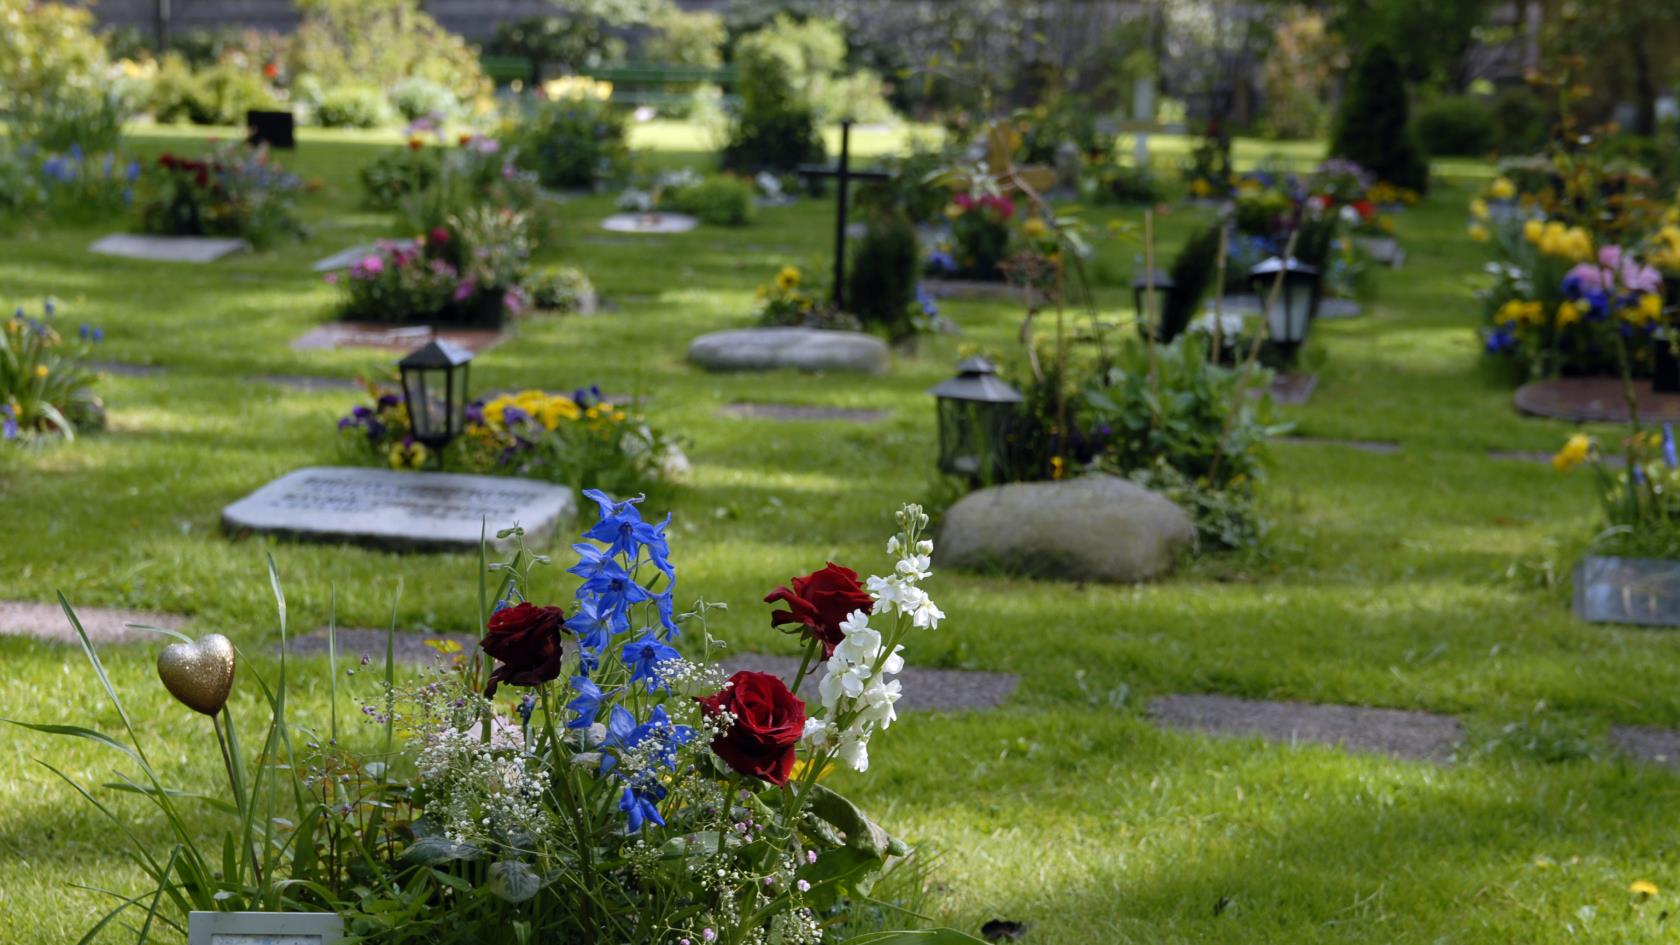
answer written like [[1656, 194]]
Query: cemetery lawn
[[1431, 578]]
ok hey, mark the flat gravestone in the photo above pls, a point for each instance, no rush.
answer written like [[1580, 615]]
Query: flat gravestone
[[103, 624], [649, 223], [1595, 400], [1384, 250], [1381, 447], [803, 349], [796, 413], [1659, 746], [1541, 456], [1401, 734], [184, 249], [345, 258], [1292, 390], [1642, 591], [1335, 309], [334, 335], [405, 511]]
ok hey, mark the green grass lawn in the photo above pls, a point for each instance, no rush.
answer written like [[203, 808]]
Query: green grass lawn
[[1433, 578]]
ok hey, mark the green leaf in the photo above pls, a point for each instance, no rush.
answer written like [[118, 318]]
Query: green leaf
[[79, 732], [513, 881], [861, 832], [435, 851]]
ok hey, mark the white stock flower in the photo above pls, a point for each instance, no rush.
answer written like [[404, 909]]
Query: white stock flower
[[915, 567], [924, 547], [818, 733], [886, 592], [854, 751]]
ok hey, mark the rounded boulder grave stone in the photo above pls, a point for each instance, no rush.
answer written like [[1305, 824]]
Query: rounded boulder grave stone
[[1093, 528], [801, 349]]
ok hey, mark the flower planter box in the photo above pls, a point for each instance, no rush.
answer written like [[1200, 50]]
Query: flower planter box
[[264, 928], [1640, 591]]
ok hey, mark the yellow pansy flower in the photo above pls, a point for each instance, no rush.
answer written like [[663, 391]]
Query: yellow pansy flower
[[1532, 230], [1200, 188], [1478, 208], [1568, 313], [1575, 451], [555, 409], [1034, 228], [1478, 232], [408, 455], [788, 278], [1642, 887], [41, 370], [1502, 189]]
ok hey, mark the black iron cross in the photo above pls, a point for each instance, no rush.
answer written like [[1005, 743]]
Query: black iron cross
[[844, 174]]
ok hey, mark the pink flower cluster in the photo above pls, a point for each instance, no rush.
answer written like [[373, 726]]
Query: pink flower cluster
[[1002, 206], [1616, 271]]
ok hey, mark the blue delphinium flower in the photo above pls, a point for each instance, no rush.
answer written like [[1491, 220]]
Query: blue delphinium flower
[[641, 806], [1669, 454], [587, 705], [616, 592], [941, 261], [8, 426], [643, 656]]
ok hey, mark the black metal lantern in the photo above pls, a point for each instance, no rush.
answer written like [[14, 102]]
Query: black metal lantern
[[434, 381], [1297, 301], [1148, 321], [976, 414]]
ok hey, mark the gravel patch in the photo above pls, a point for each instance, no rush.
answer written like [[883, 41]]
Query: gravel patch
[[103, 624], [1421, 736]]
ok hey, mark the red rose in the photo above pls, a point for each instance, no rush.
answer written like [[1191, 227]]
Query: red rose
[[819, 601], [439, 236], [525, 639], [769, 721]]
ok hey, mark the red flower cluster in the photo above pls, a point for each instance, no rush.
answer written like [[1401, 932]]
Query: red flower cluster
[[198, 170], [998, 204], [762, 742], [819, 601], [525, 640]]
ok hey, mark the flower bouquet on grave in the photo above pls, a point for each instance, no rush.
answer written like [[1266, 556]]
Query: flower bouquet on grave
[[234, 191], [626, 794]]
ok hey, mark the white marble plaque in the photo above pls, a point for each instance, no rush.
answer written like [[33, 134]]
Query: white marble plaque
[[187, 249], [406, 511], [649, 223]]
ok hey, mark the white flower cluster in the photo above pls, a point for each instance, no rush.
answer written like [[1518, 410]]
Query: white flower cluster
[[481, 792], [857, 696]]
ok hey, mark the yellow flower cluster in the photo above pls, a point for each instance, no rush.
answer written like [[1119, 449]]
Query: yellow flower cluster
[[1665, 251], [545, 408], [1502, 189], [407, 454], [788, 279], [1200, 188], [1576, 450], [1521, 312], [1034, 228], [1478, 208], [1569, 313], [577, 87], [1382, 193], [1478, 233], [1645, 312], [1552, 238]]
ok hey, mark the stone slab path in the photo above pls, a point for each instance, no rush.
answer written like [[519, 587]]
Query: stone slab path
[[1422, 736], [126, 368], [334, 335], [103, 624], [1658, 746], [1293, 390], [183, 249], [309, 382], [797, 413], [1384, 447], [934, 690]]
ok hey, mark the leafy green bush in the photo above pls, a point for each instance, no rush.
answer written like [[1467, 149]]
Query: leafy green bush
[[233, 191], [1176, 420], [1460, 125], [379, 43], [1372, 127], [572, 141], [396, 173], [55, 86], [560, 289], [1125, 183], [1520, 121], [1193, 271], [45, 386], [353, 106], [776, 127], [684, 38], [20, 190], [881, 286], [420, 97], [721, 200]]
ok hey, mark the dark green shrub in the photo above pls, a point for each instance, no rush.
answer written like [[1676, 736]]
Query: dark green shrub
[[881, 286], [1372, 127], [396, 173], [1519, 121], [353, 106], [1460, 125], [776, 127], [1192, 273], [1124, 183], [571, 142], [723, 200]]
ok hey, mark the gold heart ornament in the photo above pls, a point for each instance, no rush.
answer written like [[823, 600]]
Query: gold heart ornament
[[199, 674]]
